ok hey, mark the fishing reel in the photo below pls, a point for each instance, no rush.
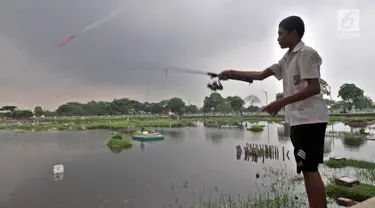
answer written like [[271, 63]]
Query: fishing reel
[[216, 85]]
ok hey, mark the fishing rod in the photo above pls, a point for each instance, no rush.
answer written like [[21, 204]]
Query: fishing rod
[[216, 84]]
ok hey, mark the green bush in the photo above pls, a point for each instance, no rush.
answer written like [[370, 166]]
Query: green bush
[[256, 128], [119, 143], [117, 136]]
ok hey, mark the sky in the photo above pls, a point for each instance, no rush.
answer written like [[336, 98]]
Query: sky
[[126, 56]]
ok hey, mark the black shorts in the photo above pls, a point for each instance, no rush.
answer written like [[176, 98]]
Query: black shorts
[[308, 142]]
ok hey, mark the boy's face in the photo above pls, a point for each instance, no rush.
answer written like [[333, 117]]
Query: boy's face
[[284, 38]]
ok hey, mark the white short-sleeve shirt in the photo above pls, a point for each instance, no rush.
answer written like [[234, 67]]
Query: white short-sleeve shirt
[[302, 63]]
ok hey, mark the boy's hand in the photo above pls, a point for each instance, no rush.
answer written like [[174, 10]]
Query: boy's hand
[[274, 107], [224, 75]]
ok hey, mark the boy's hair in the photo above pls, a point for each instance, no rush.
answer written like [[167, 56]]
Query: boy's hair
[[293, 23]]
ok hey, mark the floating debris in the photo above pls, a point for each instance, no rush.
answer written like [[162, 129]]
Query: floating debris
[[58, 172], [58, 168]]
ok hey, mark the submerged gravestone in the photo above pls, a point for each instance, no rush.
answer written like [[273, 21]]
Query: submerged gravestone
[[346, 181]]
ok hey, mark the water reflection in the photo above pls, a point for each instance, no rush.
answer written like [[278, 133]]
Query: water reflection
[[328, 145], [353, 143], [143, 147], [283, 132], [58, 176], [218, 135], [175, 134], [118, 149], [215, 137]]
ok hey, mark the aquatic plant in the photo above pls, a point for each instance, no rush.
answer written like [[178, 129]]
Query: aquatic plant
[[120, 143], [256, 128], [116, 136]]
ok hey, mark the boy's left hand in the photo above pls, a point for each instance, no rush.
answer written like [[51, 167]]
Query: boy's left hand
[[274, 107]]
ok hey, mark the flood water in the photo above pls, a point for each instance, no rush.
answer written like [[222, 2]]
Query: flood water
[[188, 163]]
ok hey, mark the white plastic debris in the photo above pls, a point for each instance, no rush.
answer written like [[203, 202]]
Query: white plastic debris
[[58, 169], [58, 176], [58, 172]]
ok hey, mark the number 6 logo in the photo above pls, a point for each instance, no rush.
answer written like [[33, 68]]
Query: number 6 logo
[[348, 20]]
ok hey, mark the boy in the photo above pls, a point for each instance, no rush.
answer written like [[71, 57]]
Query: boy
[[305, 109]]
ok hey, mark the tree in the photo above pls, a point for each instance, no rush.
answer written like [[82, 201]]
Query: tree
[[156, 108], [329, 102], [176, 105], [224, 106], [363, 102], [252, 99], [253, 108], [10, 108], [236, 103], [279, 95], [211, 102], [70, 109], [191, 109], [22, 114], [350, 93], [38, 111]]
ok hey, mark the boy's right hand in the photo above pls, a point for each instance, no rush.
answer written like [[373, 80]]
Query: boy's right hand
[[226, 74]]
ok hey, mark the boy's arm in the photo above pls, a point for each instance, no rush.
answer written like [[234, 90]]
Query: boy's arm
[[312, 88], [309, 63], [255, 75], [274, 70]]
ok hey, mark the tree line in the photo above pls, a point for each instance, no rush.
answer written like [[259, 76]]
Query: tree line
[[351, 97]]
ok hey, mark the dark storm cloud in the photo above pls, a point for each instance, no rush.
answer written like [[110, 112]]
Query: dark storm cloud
[[108, 61]]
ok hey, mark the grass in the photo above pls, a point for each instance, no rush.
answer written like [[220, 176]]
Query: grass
[[364, 172], [283, 190], [120, 122], [335, 163], [117, 142], [219, 123], [361, 134], [116, 136], [256, 128], [227, 201], [116, 124], [282, 193], [358, 193]]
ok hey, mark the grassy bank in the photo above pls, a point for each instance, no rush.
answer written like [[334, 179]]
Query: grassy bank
[[364, 173], [341, 163], [121, 122], [75, 125], [357, 193], [277, 189], [226, 201]]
